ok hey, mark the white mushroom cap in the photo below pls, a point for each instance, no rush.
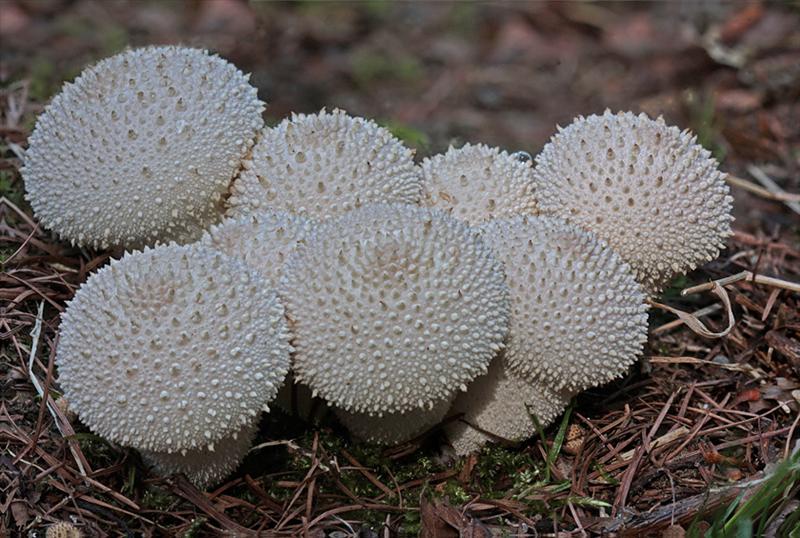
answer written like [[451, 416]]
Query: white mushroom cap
[[393, 308], [172, 348], [578, 317], [141, 148], [323, 165], [204, 467], [393, 428], [63, 529], [478, 183], [263, 240], [649, 190], [502, 404]]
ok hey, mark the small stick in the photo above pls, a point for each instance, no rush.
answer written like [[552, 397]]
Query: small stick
[[789, 437], [736, 367], [695, 324], [710, 285], [661, 441], [748, 277], [792, 201], [779, 195], [35, 334], [368, 475]]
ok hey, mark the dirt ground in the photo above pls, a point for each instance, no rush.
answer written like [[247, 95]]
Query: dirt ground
[[697, 422]]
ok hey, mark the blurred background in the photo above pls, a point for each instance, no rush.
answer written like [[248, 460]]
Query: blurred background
[[454, 72]]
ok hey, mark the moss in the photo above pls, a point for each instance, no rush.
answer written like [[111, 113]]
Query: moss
[[11, 188], [368, 66], [194, 528], [157, 499], [703, 120], [496, 462], [455, 493], [409, 135], [675, 287], [411, 525], [464, 18], [420, 468], [43, 79], [96, 449]]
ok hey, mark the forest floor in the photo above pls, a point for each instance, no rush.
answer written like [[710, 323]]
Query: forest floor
[[695, 426]]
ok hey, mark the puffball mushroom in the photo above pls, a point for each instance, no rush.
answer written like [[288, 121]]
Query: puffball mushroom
[[204, 467], [647, 189], [172, 348], [63, 529], [393, 308], [263, 240], [123, 157], [478, 183], [499, 405], [578, 317], [323, 165], [393, 428]]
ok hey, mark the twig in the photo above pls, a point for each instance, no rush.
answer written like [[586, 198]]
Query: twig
[[695, 324], [792, 201], [747, 276], [35, 334], [577, 520], [368, 475], [790, 435], [184, 488], [736, 367], [778, 195], [683, 511], [661, 441]]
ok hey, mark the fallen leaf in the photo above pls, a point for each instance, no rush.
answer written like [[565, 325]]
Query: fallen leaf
[[434, 518], [749, 395], [740, 22], [733, 475], [739, 101], [574, 441], [19, 511], [440, 520], [465, 474], [673, 531]]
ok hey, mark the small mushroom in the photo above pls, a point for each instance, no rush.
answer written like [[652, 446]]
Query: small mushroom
[[393, 428], [172, 349], [123, 157], [500, 406], [393, 308], [476, 183], [649, 190], [63, 529], [204, 467], [578, 317], [323, 165]]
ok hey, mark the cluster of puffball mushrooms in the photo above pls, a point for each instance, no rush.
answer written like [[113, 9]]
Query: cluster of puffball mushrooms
[[317, 255]]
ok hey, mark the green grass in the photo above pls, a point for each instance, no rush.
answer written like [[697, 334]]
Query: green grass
[[705, 122], [409, 135], [751, 518]]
